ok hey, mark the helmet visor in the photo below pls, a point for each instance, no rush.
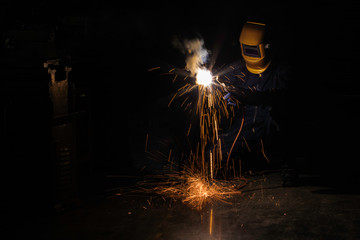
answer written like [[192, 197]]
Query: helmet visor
[[251, 51]]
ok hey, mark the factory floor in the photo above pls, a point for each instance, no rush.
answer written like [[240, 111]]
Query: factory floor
[[263, 210]]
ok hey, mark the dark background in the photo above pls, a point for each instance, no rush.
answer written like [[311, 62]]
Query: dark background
[[111, 45]]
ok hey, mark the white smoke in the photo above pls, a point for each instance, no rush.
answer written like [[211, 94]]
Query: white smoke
[[196, 53]]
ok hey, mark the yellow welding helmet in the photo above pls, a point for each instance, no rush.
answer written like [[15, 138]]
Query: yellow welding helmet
[[253, 47]]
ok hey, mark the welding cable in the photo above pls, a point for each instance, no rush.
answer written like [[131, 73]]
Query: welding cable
[[236, 138]]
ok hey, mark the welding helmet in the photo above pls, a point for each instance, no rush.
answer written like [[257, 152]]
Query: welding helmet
[[254, 49]]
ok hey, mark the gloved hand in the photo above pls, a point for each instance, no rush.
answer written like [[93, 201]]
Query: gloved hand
[[227, 97]]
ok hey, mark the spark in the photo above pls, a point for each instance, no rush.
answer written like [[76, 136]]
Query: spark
[[196, 185], [211, 166], [263, 151], [152, 69], [209, 108], [188, 132], [247, 145], [211, 222], [195, 190], [204, 77], [169, 157]]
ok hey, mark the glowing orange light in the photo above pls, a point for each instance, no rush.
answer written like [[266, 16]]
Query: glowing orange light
[[204, 77]]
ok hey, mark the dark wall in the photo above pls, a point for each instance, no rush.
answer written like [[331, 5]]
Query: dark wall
[[111, 48]]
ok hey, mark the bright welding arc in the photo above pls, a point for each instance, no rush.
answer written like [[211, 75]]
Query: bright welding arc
[[204, 77]]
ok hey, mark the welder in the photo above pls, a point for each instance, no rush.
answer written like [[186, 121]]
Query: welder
[[257, 89]]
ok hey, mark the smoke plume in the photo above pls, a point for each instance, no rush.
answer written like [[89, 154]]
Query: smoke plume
[[196, 53]]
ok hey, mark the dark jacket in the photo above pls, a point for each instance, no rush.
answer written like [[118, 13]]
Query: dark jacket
[[255, 96]]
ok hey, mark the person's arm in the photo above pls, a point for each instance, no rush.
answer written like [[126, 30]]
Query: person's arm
[[249, 97]]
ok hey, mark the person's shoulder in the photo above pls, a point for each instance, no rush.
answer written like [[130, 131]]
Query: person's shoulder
[[238, 68], [282, 66], [239, 65]]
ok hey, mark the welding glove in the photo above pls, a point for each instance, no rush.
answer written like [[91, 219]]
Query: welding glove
[[227, 97]]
